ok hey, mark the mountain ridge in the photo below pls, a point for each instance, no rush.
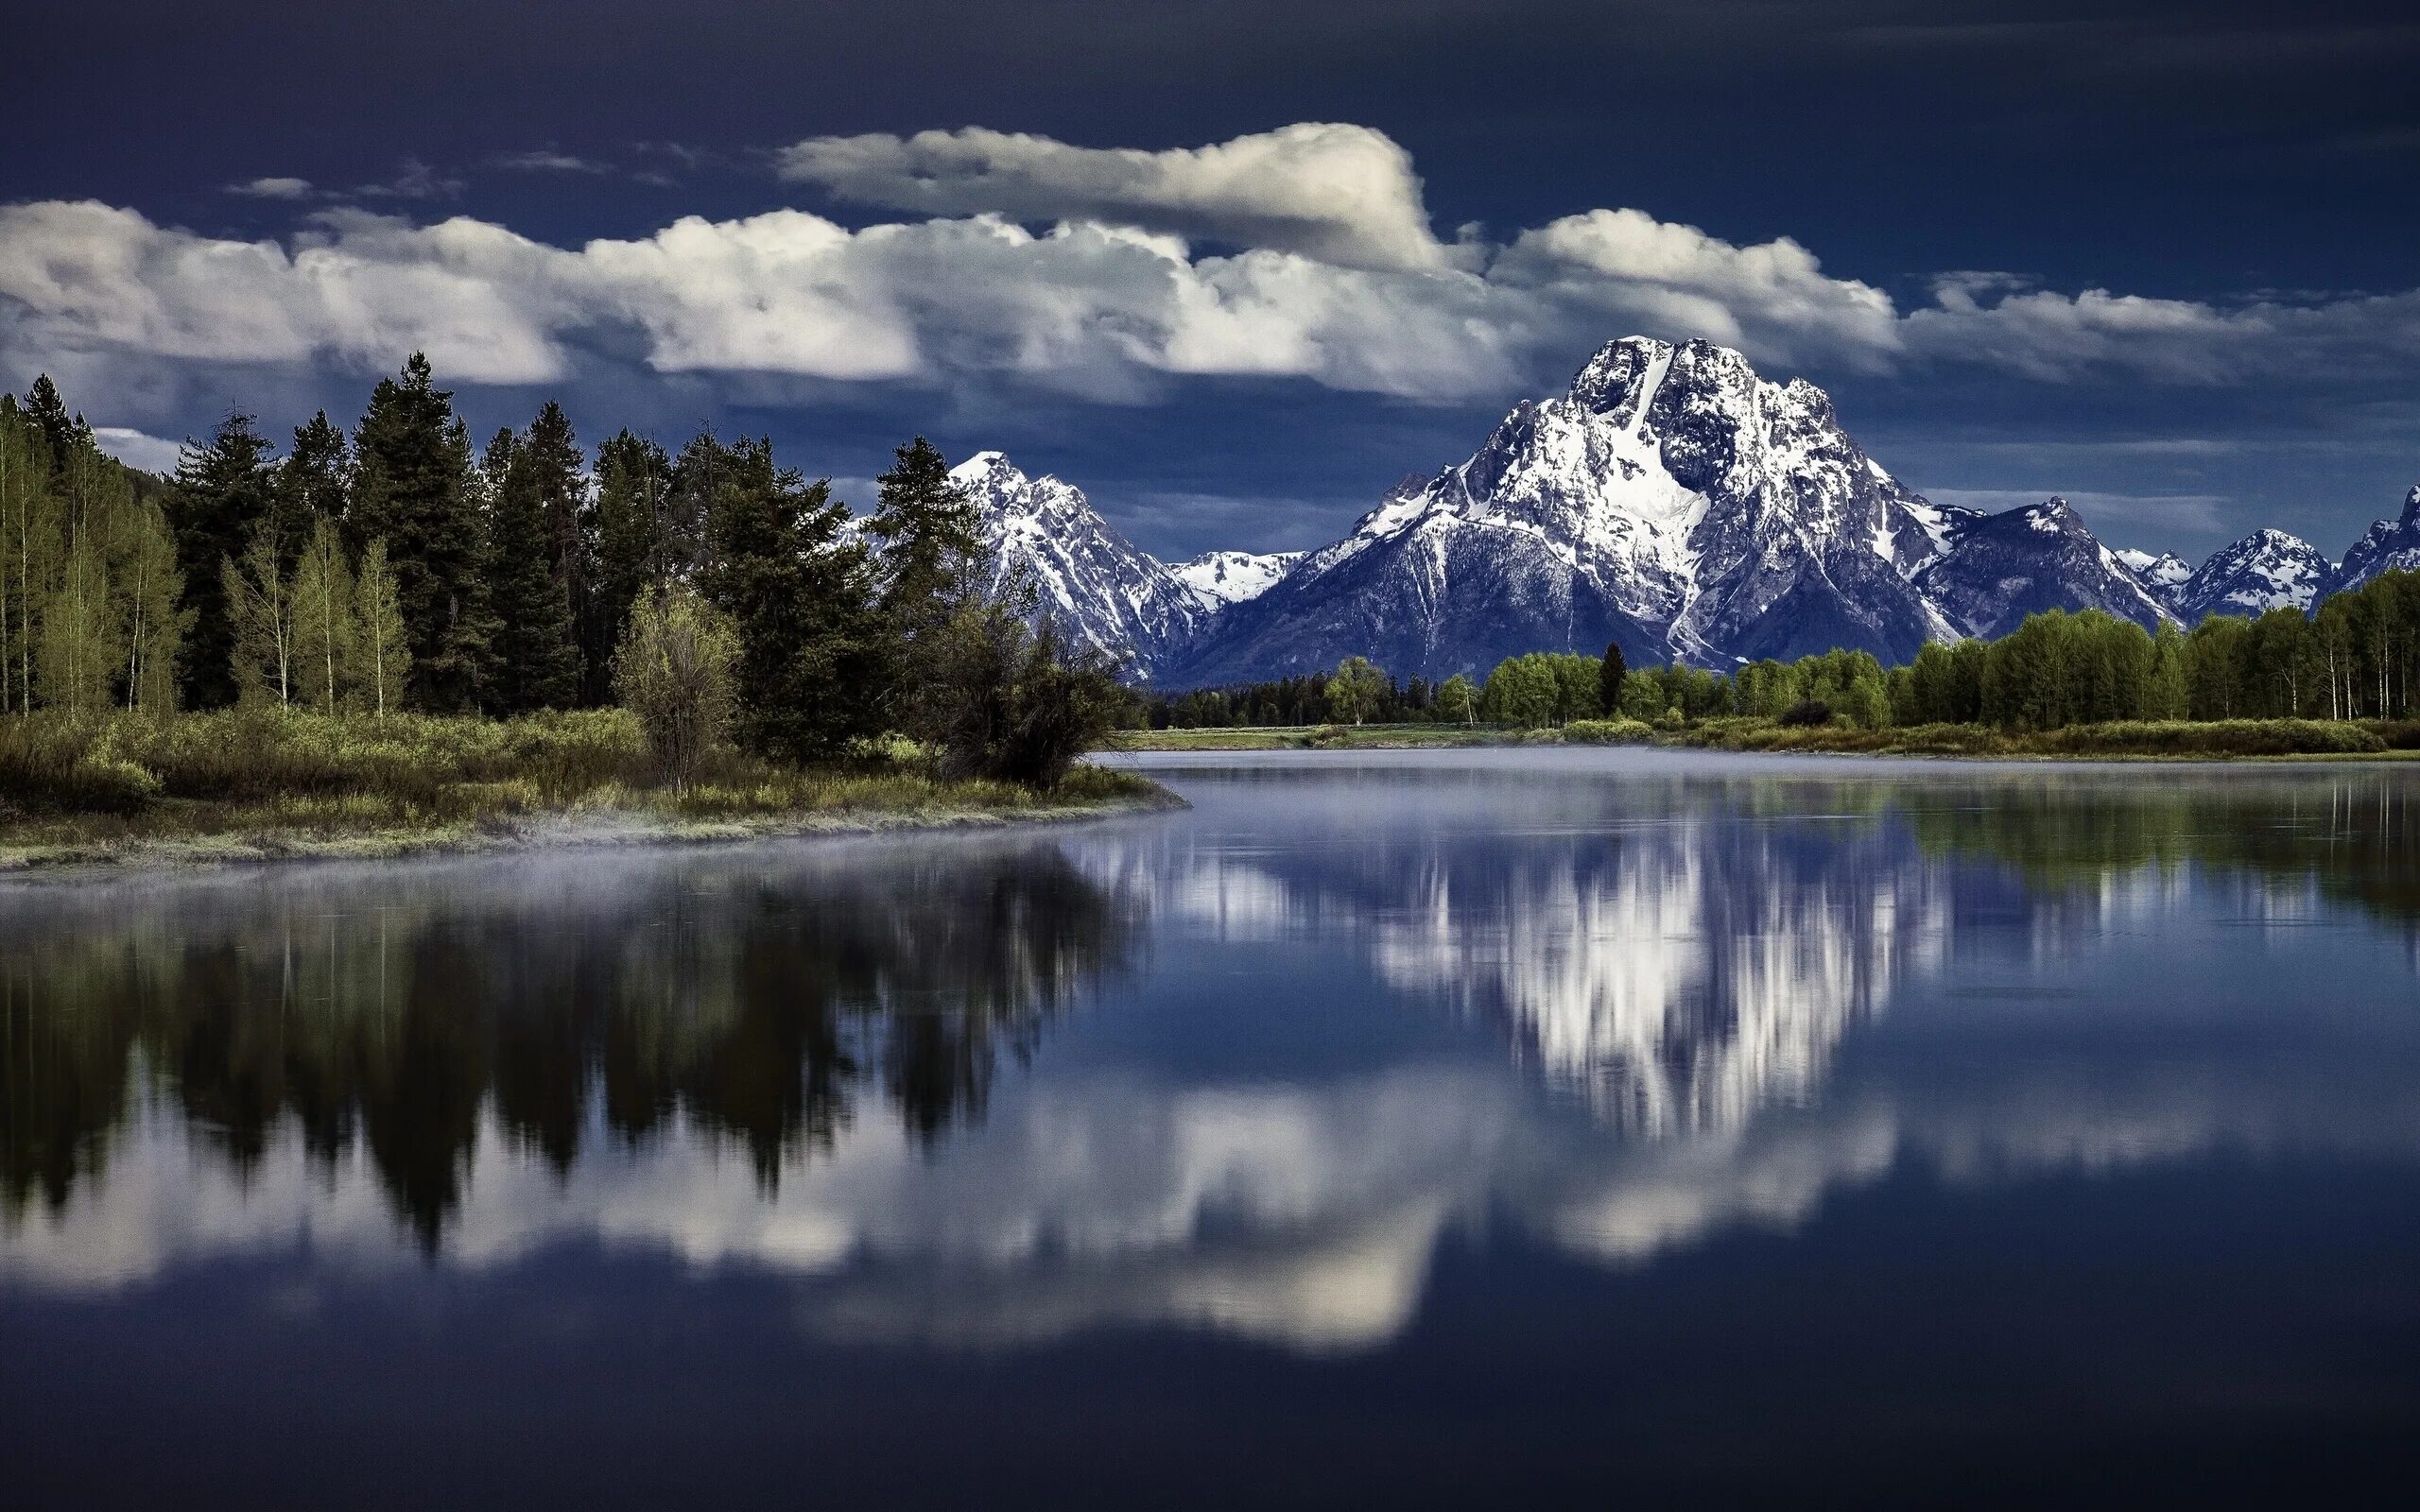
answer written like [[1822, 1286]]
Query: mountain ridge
[[1670, 501]]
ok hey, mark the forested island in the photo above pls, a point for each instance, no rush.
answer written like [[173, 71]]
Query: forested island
[[388, 638], [2334, 683]]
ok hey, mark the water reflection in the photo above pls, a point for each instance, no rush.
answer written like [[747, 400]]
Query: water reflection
[[1694, 1004], [553, 1007]]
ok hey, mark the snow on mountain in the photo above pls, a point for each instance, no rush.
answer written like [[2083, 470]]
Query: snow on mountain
[[2388, 546], [1094, 580], [1674, 502], [1998, 568], [1670, 500], [2160, 576], [2266, 570], [1219, 579]]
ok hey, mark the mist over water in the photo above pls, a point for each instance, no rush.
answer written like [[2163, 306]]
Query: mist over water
[[1404, 1123]]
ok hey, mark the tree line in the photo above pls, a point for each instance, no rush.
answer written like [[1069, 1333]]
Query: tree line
[[2352, 659], [397, 567]]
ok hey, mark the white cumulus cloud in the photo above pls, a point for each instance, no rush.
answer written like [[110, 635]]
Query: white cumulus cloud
[[1345, 195]]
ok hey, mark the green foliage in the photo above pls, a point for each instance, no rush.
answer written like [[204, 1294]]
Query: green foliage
[[633, 481], [1023, 701], [1611, 671], [225, 491], [1605, 733], [802, 599], [932, 571], [1457, 700], [674, 673], [382, 649], [1520, 692], [536, 659], [259, 593], [326, 631], [1354, 689], [415, 488]]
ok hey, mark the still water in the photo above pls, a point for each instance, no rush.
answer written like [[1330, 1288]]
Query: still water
[[1394, 1129]]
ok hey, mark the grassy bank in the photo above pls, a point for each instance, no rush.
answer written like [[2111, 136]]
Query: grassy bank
[[237, 786], [2228, 739]]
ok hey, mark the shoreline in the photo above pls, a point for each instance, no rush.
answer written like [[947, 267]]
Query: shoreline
[[544, 831], [2090, 745]]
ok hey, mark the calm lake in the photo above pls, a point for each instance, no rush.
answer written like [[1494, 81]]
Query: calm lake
[[1387, 1128]]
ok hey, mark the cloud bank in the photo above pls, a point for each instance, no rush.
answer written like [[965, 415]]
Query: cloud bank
[[1303, 253]]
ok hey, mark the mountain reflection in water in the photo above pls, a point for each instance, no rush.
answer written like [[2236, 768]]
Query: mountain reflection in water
[[1270, 1053]]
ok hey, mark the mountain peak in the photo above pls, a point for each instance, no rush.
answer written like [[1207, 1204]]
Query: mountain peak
[[987, 465]]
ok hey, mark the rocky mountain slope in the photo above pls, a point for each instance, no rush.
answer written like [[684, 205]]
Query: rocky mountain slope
[[1669, 500], [1092, 579], [2388, 546], [2266, 570], [1998, 568]]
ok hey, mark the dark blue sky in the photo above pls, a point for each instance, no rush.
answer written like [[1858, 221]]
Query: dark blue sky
[[2243, 183]]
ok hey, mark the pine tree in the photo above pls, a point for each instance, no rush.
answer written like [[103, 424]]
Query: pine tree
[[801, 598], [415, 488], [930, 567], [314, 483], [324, 631], [633, 477], [224, 489], [381, 646], [1610, 673], [537, 660], [154, 625], [60, 432], [552, 454], [260, 599]]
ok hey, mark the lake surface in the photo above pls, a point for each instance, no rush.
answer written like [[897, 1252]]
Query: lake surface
[[1392, 1129]]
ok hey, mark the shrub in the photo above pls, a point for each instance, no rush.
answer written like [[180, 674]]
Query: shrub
[[1807, 713], [1604, 731], [674, 673]]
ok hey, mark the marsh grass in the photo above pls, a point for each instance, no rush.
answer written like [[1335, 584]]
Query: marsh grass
[[2137, 739], [95, 787]]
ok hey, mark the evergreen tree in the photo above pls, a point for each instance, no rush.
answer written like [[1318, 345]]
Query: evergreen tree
[[552, 453], [154, 627], [414, 488], [537, 661], [381, 644], [1610, 673], [633, 476], [60, 432], [931, 562], [800, 597], [224, 489], [324, 631], [314, 483], [260, 600]]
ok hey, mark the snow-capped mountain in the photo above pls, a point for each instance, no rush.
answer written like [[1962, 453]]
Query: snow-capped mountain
[[2266, 570], [1998, 568], [1219, 579], [2160, 576], [1670, 500], [2388, 546], [1091, 577], [1676, 503]]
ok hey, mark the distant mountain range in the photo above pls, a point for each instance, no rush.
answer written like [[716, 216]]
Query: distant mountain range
[[1671, 501]]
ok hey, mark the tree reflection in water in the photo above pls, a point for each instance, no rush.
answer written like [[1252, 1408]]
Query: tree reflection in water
[[759, 1002]]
